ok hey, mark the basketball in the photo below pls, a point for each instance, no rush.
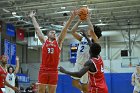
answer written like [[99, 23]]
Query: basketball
[[83, 13]]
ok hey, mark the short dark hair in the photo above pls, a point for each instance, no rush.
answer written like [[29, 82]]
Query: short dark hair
[[95, 49], [97, 31], [8, 69]]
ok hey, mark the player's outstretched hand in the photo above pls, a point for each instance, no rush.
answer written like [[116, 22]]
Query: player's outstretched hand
[[74, 13], [83, 33], [61, 69], [17, 58], [32, 14]]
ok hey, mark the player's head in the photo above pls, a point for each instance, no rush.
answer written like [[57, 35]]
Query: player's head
[[95, 49], [51, 34], [3, 59], [97, 31], [138, 68], [10, 69]]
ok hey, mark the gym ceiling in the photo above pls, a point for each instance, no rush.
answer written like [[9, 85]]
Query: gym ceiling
[[110, 15]]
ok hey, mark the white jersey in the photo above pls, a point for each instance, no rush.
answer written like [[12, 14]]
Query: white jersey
[[83, 52], [82, 57], [137, 79], [10, 78]]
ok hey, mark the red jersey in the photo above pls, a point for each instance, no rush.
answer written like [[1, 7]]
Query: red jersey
[[97, 83], [2, 78], [50, 56]]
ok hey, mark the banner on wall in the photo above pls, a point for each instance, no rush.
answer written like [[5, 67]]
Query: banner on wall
[[0, 26], [73, 52], [7, 50], [20, 34], [10, 29], [13, 54], [10, 52], [23, 78]]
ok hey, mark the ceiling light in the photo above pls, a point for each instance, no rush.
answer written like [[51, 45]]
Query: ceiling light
[[82, 25], [27, 22], [63, 7], [40, 27], [44, 29], [5, 10], [57, 26], [14, 13], [17, 16], [84, 5], [100, 20], [90, 9], [110, 33], [100, 24], [63, 12]]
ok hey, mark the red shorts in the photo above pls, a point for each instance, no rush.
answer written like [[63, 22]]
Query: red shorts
[[46, 77], [97, 90], [1, 91]]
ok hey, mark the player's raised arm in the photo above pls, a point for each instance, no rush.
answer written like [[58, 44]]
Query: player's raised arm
[[37, 28], [92, 33], [74, 29], [17, 65], [65, 28]]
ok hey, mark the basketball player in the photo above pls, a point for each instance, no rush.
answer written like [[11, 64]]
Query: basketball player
[[48, 73], [3, 73], [11, 76], [136, 79], [94, 67], [94, 33]]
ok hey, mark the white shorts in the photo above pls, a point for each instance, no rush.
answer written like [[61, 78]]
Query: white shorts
[[136, 88], [9, 90], [84, 78], [3, 90]]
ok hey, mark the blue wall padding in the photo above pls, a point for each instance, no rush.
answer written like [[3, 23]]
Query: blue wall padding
[[116, 82], [65, 85], [121, 83], [108, 81]]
